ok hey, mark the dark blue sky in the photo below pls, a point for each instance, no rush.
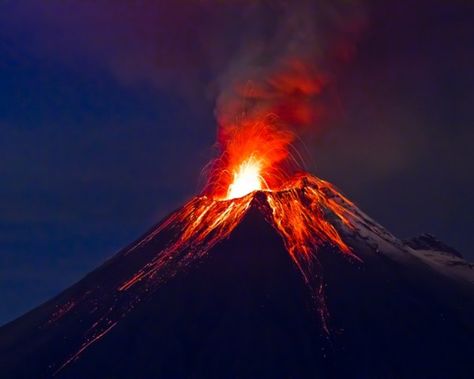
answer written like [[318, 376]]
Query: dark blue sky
[[106, 119]]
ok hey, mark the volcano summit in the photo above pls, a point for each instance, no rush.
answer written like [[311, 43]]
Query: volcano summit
[[288, 283]]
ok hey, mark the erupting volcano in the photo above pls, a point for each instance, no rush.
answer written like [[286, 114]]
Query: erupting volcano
[[267, 271], [270, 272], [302, 209]]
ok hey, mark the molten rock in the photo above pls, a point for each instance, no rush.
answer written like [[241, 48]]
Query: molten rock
[[295, 282]]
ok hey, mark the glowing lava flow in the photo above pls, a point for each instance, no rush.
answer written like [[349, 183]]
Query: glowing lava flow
[[199, 225], [305, 212]]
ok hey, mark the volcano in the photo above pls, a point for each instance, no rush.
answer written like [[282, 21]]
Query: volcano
[[290, 283]]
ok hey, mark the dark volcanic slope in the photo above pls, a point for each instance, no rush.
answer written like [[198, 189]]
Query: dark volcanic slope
[[244, 312]]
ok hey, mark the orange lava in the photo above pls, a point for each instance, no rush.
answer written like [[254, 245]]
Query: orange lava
[[307, 213], [253, 156], [199, 225], [246, 178]]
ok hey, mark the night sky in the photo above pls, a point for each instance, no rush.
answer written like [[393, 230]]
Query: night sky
[[107, 119]]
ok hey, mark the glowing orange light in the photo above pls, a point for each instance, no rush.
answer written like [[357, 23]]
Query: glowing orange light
[[246, 178]]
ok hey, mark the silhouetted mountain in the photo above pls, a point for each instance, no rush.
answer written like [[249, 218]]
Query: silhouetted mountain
[[244, 311]]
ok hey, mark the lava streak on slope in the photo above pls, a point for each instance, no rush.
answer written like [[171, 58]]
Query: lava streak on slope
[[307, 212], [199, 224], [257, 167], [304, 212]]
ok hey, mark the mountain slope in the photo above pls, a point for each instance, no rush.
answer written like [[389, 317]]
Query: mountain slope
[[243, 310]]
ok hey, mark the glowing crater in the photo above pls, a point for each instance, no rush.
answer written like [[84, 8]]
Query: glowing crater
[[246, 178]]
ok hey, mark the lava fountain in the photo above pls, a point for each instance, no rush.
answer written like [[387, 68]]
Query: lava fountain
[[246, 179]]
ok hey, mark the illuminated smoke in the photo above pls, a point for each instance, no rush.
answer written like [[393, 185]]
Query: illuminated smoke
[[277, 87]]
